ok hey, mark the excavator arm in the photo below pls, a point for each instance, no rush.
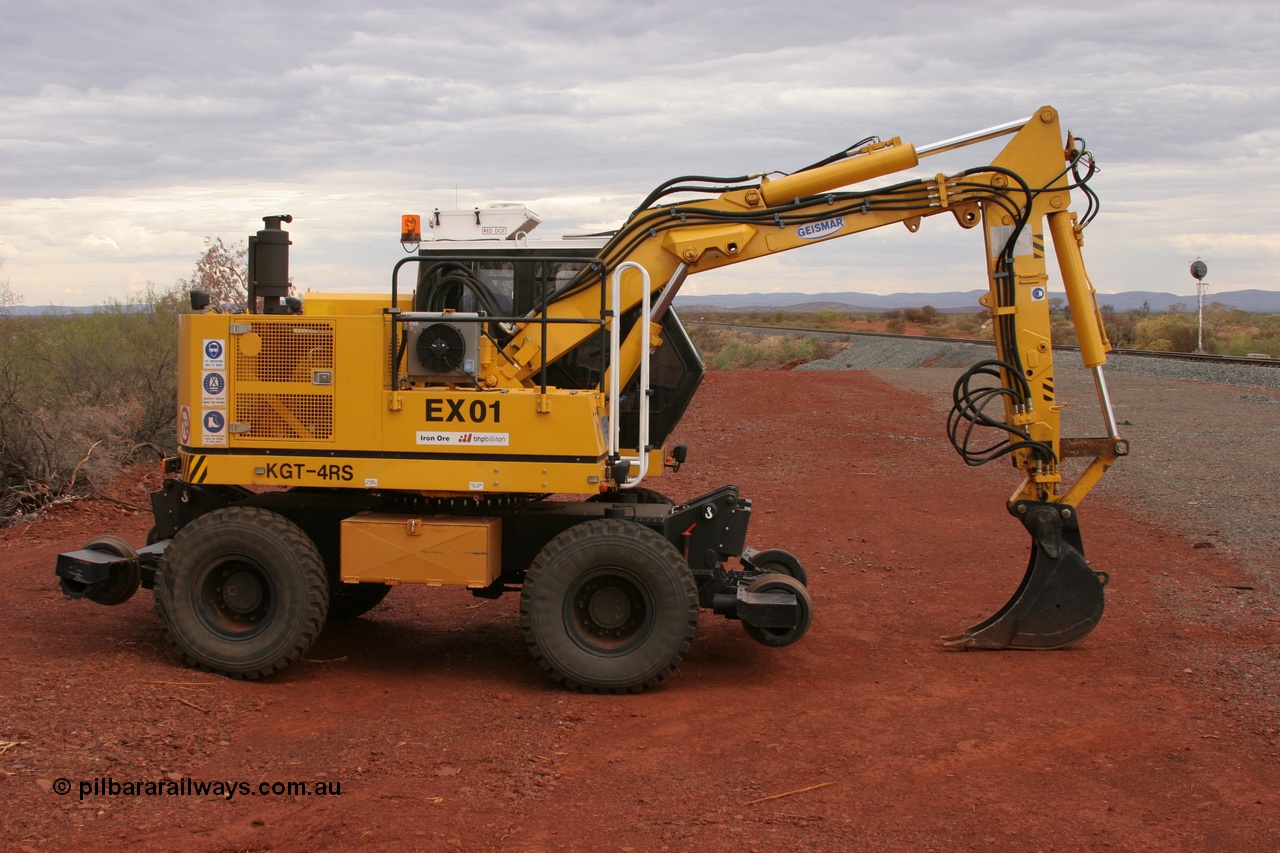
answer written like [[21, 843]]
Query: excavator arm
[[1024, 189], [1023, 192]]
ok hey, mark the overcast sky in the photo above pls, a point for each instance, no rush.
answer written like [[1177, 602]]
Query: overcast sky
[[132, 130]]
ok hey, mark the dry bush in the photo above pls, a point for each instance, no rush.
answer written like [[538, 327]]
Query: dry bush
[[83, 395], [221, 272]]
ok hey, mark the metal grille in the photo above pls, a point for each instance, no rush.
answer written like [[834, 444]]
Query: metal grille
[[295, 416], [290, 351], [289, 406]]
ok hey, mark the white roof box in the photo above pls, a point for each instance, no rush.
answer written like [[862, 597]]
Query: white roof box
[[495, 222]]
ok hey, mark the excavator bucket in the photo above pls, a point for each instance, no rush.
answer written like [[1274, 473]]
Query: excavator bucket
[[1060, 597]]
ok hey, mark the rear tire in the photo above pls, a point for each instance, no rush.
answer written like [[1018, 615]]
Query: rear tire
[[242, 592], [609, 606]]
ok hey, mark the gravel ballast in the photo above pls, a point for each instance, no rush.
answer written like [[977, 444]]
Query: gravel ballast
[[1204, 438], [878, 353]]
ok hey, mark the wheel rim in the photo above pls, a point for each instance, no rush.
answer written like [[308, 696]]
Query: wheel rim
[[608, 611], [235, 597]]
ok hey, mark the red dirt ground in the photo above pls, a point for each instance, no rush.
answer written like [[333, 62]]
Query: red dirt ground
[[444, 734]]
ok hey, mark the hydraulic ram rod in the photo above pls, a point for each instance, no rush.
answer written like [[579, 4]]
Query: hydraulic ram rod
[[971, 138]]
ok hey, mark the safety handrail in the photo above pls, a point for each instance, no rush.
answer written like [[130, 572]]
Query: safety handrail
[[641, 460]]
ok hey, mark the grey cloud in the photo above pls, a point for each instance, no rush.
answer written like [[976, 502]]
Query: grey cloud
[[520, 100]]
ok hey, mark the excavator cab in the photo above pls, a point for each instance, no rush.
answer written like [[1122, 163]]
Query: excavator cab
[[465, 272]]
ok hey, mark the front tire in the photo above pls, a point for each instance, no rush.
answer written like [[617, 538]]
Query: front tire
[[242, 592], [609, 606]]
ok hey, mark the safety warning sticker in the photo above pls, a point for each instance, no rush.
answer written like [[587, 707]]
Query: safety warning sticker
[[213, 429], [214, 388], [215, 354]]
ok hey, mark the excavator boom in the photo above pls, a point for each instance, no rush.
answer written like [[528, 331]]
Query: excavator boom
[[1026, 187]]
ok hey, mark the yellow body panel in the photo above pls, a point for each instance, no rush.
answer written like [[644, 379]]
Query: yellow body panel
[[286, 400], [348, 304], [435, 550]]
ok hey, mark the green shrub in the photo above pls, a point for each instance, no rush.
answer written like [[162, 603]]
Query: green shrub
[[82, 395]]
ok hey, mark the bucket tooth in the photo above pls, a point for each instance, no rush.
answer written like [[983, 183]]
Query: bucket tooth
[[1060, 598]]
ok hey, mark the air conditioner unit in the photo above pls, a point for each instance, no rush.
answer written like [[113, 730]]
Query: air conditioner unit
[[444, 350], [495, 222]]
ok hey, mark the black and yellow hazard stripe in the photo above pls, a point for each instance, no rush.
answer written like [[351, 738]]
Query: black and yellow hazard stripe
[[195, 468]]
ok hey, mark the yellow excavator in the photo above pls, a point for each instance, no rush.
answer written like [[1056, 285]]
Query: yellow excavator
[[490, 425]]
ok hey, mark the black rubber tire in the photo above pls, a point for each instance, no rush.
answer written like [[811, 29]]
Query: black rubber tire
[[125, 581], [349, 600], [612, 570], [779, 637], [242, 592], [782, 562]]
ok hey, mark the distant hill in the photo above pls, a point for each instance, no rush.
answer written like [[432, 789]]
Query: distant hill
[[34, 310], [954, 301], [1245, 300], [29, 310]]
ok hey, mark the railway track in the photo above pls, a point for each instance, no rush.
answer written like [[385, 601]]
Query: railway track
[[1203, 358]]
